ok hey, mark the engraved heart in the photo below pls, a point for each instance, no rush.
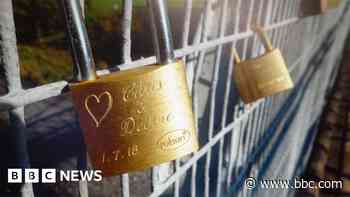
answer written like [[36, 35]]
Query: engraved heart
[[98, 99]]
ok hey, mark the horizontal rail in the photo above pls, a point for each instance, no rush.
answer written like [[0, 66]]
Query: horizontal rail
[[29, 96]]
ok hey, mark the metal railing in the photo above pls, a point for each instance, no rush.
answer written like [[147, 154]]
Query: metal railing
[[264, 139]]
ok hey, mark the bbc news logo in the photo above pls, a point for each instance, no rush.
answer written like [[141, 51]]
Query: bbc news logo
[[52, 175]]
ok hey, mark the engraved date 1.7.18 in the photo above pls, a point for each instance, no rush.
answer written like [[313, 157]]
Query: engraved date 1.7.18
[[120, 154]]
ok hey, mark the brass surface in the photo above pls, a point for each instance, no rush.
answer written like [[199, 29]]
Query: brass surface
[[137, 118], [315, 7], [333, 3], [262, 76]]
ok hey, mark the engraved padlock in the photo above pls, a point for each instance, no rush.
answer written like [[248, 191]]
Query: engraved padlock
[[261, 76], [136, 118], [315, 7], [331, 4]]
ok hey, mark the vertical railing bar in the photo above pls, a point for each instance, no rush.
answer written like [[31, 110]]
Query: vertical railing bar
[[198, 68], [240, 147], [155, 179], [239, 137], [234, 147], [222, 30], [249, 21], [265, 117], [241, 155], [284, 36], [278, 7], [82, 161], [254, 129], [269, 111], [224, 116], [197, 73], [227, 93], [289, 10], [79, 74], [293, 14], [243, 141], [249, 132], [255, 116], [196, 41], [194, 166], [267, 21], [248, 135], [284, 9], [260, 122], [185, 37], [255, 51], [234, 135], [127, 25], [9, 62], [194, 56], [268, 18], [273, 19], [187, 23], [294, 4], [295, 9], [281, 30], [259, 126]]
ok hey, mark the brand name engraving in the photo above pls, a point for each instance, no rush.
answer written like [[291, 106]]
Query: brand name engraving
[[174, 139]]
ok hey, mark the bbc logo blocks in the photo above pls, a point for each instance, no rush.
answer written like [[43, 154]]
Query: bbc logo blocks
[[31, 176]]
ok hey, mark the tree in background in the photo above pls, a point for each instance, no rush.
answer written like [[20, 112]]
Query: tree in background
[[36, 19]]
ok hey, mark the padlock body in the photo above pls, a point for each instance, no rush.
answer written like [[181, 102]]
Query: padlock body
[[136, 118], [333, 3], [315, 7], [263, 76]]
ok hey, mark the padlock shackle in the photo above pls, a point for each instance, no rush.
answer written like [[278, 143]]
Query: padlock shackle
[[263, 37], [84, 65], [161, 30], [236, 56]]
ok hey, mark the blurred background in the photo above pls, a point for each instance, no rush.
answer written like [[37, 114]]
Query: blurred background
[[44, 49]]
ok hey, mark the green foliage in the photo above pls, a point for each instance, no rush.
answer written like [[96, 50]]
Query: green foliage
[[103, 8], [41, 65]]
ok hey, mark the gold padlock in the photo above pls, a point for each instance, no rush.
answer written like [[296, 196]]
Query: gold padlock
[[331, 4], [136, 118], [262, 76], [315, 7]]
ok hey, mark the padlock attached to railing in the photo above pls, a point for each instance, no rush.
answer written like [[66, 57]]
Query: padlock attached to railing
[[264, 75], [315, 7], [136, 118]]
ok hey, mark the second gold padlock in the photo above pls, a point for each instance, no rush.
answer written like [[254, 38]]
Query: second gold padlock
[[136, 118], [262, 76], [315, 7]]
